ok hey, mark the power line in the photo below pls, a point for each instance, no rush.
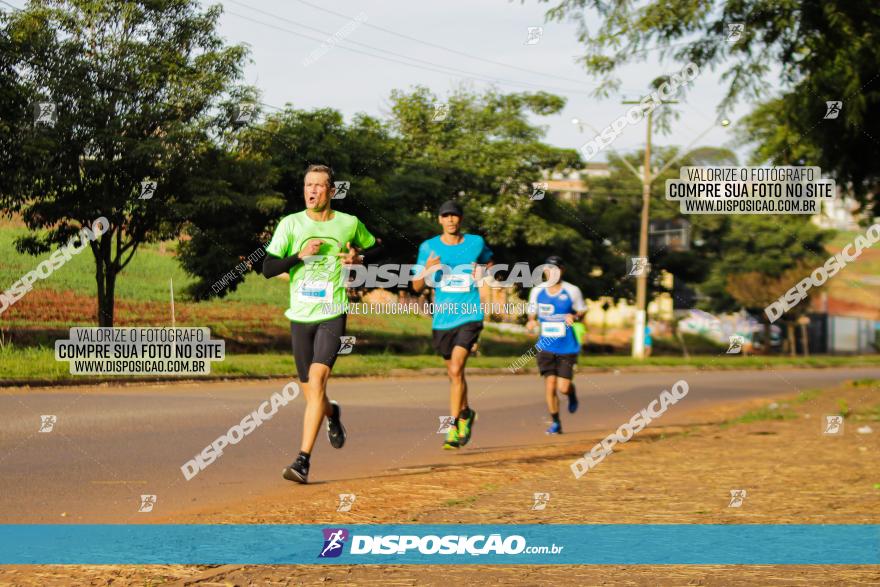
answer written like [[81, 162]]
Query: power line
[[430, 66], [420, 41]]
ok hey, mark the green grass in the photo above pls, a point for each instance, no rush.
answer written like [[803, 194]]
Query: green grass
[[146, 278], [762, 414], [865, 382], [465, 501], [38, 364], [869, 415], [807, 395]]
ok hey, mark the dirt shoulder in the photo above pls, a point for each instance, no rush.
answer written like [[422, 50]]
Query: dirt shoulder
[[791, 471]]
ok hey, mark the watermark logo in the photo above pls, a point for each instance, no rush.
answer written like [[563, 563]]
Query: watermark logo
[[634, 115], [463, 277], [821, 274], [148, 502], [737, 496], [244, 113], [335, 39], [735, 31], [638, 422], [341, 189], [833, 425], [334, 540], [541, 501], [346, 500], [56, 260], [538, 190], [264, 412], [45, 113], [637, 266], [534, 35], [346, 345], [148, 189], [736, 344], [243, 267], [832, 109], [47, 423], [441, 112], [446, 422]]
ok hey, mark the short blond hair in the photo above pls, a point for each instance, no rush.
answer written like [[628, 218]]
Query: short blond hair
[[321, 169]]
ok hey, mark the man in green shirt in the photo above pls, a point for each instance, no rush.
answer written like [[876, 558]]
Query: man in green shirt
[[312, 246]]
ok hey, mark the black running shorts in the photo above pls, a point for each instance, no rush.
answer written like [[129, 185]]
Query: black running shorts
[[555, 364], [316, 342], [464, 336]]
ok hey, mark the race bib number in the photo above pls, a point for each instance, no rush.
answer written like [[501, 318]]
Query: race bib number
[[545, 309], [456, 284], [316, 292], [552, 329]]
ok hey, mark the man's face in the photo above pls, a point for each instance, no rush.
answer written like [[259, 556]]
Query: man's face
[[317, 190], [450, 222], [553, 274]]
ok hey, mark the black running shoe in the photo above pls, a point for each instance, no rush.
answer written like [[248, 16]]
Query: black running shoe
[[572, 400], [335, 429], [298, 470]]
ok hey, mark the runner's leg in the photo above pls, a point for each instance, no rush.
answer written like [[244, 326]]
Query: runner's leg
[[550, 393], [457, 383], [563, 384], [317, 404]]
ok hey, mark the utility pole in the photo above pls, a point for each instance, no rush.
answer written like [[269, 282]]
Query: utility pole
[[638, 345], [647, 177]]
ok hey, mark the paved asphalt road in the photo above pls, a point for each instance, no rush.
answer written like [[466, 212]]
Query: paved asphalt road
[[112, 444]]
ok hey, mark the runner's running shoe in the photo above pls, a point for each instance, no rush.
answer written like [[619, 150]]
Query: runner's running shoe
[[298, 471], [572, 400], [335, 429], [465, 426], [555, 428], [452, 441]]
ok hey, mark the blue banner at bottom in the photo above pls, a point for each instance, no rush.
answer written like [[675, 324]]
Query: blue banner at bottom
[[632, 544]]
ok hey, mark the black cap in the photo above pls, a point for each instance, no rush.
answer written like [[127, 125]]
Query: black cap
[[554, 260], [450, 207]]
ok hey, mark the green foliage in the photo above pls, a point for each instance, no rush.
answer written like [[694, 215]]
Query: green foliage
[[135, 85], [823, 50]]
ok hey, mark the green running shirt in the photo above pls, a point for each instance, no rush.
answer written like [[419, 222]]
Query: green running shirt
[[317, 283]]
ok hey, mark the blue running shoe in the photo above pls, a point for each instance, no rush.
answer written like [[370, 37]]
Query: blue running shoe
[[555, 428], [572, 400]]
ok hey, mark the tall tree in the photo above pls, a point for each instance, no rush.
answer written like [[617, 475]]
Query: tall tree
[[821, 50], [133, 84], [483, 151]]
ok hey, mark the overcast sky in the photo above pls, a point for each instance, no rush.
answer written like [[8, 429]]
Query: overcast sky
[[351, 78], [346, 78]]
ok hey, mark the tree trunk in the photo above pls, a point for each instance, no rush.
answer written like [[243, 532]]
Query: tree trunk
[[766, 349], [805, 339], [792, 345], [105, 275]]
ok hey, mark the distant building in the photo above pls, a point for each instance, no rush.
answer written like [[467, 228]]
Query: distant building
[[572, 185]]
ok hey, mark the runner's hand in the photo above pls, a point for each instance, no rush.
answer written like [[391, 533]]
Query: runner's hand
[[310, 248], [531, 325], [350, 256], [433, 260], [569, 319]]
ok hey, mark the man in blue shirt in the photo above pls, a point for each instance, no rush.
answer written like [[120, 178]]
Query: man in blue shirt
[[557, 307], [450, 262]]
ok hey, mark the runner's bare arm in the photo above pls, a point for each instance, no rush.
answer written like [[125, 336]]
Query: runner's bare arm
[[419, 280]]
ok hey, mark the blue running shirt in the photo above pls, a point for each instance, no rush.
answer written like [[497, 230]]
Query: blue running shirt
[[556, 336], [456, 297]]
